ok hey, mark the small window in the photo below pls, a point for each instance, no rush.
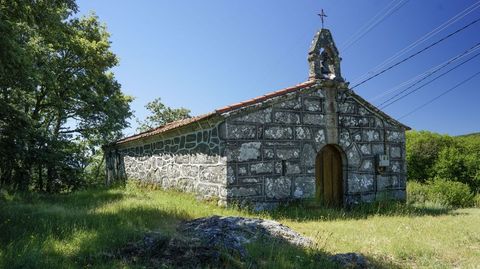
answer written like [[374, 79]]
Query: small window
[[284, 167]]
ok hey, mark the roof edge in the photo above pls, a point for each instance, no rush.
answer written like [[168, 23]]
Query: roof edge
[[266, 97], [219, 112]]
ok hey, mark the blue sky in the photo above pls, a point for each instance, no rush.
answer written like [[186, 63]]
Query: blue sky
[[204, 55]]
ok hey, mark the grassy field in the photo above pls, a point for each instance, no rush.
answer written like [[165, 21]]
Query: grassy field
[[82, 230]]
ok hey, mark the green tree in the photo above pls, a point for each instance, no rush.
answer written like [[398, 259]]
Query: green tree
[[161, 115], [423, 148], [431, 155], [58, 98]]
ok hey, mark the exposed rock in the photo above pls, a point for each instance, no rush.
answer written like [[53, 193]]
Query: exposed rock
[[350, 260], [204, 242], [232, 233]]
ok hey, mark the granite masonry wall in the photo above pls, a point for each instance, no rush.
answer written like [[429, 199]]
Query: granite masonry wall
[[363, 135], [265, 153], [190, 162], [271, 149]]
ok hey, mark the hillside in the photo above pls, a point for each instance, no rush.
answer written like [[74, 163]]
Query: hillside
[[477, 135]]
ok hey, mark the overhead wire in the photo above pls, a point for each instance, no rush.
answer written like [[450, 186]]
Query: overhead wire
[[421, 76], [422, 39], [434, 70], [383, 14], [416, 53], [439, 96], [429, 82]]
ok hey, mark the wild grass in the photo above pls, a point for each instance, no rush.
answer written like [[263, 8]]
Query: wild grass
[[83, 229]]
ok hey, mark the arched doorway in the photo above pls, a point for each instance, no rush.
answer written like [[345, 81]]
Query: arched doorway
[[328, 175]]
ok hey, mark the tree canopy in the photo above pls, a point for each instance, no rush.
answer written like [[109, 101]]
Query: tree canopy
[[160, 114], [431, 155], [59, 100]]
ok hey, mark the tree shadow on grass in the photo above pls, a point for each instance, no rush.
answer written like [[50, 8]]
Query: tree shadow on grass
[[311, 211], [105, 248], [68, 231]]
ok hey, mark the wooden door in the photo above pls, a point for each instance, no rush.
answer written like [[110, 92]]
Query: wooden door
[[329, 180]]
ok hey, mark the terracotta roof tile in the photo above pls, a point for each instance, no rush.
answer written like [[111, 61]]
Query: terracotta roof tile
[[184, 122], [164, 128], [265, 97]]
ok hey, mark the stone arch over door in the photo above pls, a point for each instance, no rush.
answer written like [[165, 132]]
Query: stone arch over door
[[329, 175]]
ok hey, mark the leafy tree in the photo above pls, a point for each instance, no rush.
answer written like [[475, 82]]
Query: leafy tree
[[432, 156], [58, 98], [423, 148], [161, 115]]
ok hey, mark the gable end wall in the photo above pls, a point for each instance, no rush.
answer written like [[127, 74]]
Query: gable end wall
[[271, 149]]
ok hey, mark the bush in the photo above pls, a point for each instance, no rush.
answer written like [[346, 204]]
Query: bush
[[442, 192], [417, 192], [476, 201], [431, 155]]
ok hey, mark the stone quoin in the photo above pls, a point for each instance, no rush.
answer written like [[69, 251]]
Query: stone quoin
[[317, 140]]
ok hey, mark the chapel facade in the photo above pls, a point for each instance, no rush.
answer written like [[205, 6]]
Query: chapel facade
[[317, 140]]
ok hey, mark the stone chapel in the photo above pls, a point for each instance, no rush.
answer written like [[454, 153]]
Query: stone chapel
[[317, 140]]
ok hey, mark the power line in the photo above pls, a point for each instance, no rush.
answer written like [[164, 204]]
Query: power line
[[416, 78], [372, 23], [440, 95], [417, 53], [438, 68], [422, 39], [434, 79]]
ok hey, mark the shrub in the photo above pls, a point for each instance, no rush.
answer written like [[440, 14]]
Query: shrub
[[417, 192], [442, 192], [450, 193], [476, 201]]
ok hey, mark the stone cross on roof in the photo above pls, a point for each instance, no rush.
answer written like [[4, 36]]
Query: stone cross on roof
[[322, 16]]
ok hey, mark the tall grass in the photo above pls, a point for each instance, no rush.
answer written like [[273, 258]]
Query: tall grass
[[83, 229]]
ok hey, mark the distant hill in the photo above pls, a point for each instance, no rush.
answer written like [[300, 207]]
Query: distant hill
[[470, 135]]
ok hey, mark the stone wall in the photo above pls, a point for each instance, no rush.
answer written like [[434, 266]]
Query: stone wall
[[190, 162], [266, 153], [271, 149], [363, 135]]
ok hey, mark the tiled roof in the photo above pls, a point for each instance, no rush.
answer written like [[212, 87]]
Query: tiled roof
[[265, 97], [184, 122], [164, 128]]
